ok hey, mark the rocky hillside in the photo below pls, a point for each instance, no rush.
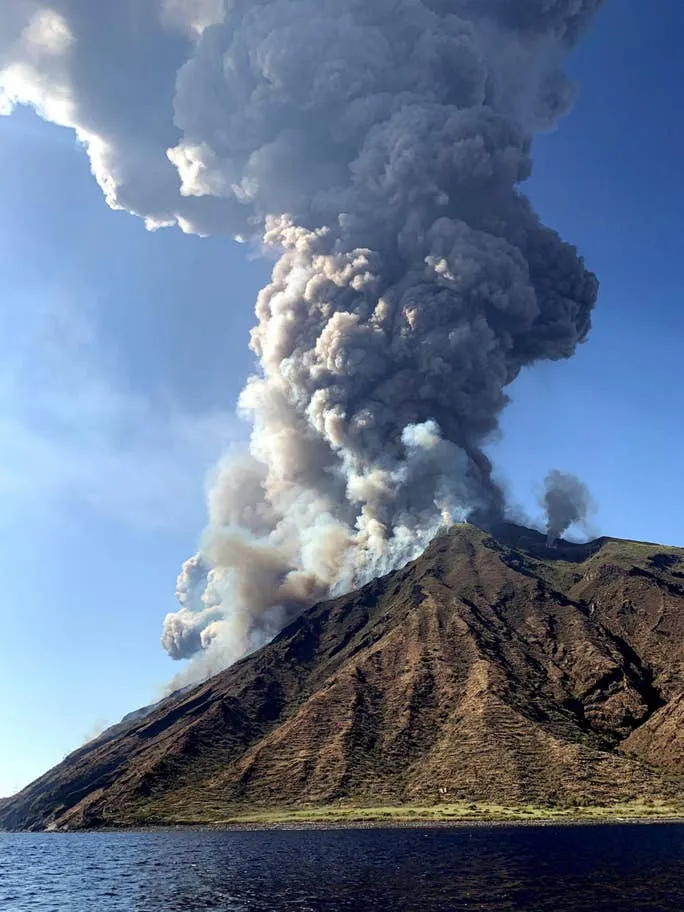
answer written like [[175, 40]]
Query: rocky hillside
[[490, 669]]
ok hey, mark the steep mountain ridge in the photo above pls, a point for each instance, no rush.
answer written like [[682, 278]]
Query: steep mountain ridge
[[492, 668]]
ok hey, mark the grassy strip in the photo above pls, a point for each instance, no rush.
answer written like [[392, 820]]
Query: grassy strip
[[443, 814]]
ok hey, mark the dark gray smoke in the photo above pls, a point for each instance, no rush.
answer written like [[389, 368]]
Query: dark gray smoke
[[380, 147], [566, 501]]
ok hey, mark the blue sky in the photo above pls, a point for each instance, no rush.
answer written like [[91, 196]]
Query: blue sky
[[123, 352]]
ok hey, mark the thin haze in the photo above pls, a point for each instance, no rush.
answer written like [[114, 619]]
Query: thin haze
[[379, 149]]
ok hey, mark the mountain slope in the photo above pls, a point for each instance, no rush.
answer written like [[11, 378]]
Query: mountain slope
[[492, 667]]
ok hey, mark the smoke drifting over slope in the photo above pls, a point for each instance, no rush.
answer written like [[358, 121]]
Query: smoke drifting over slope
[[566, 501], [380, 147]]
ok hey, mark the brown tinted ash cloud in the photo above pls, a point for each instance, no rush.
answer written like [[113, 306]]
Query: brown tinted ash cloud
[[414, 284], [381, 148]]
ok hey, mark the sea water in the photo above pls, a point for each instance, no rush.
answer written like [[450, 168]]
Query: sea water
[[612, 868]]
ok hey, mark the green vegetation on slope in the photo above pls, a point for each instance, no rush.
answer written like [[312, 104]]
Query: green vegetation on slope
[[442, 814]]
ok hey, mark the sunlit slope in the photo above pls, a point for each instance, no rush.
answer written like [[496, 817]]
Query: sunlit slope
[[492, 669]]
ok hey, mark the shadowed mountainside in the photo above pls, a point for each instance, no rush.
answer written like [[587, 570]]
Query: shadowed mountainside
[[490, 669]]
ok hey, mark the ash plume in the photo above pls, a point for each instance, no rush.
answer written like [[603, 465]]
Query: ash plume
[[566, 501], [380, 148]]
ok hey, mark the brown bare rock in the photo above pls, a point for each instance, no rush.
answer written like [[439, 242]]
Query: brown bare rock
[[491, 669]]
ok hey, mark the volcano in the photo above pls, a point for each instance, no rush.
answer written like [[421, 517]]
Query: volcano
[[491, 669]]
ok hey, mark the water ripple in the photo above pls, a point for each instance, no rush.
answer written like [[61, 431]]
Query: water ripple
[[501, 869]]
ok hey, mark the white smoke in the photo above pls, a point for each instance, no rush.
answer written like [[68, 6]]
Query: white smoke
[[379, 148]]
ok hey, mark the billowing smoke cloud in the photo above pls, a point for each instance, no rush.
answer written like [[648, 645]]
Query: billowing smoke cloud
[[566, 501], [380, 148]]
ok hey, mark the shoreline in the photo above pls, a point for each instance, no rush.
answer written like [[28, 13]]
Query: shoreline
[[417, 824], [388, 821]]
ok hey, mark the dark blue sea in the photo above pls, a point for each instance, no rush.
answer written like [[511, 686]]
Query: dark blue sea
[[498, 869]]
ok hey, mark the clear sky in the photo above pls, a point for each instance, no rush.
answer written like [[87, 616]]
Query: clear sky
[[122, 353]]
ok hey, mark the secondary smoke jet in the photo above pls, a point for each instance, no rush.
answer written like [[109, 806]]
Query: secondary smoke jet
[[566, 501]]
